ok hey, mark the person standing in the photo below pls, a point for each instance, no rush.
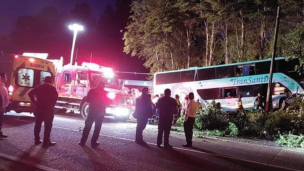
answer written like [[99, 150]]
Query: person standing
[[97, 108], [166, 105], [259, 102], [185, 104], [192, 108], [144, 111], [4, 101], [44, 98]]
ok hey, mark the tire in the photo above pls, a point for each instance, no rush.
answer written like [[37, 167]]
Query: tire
[[84, 110]]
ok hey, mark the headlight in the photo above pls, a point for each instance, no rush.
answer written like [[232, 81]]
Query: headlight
[[121, 111]]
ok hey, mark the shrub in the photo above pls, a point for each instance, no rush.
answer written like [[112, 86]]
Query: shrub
[[290, 140], [233, 130], [180, 121], [215, 132]]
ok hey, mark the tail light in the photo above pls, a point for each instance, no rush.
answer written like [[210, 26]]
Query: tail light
[[111, 95]]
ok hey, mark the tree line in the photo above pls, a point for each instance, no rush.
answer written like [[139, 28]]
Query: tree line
[[176, 34]]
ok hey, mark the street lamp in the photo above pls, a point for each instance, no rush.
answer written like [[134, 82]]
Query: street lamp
[[75, 28]]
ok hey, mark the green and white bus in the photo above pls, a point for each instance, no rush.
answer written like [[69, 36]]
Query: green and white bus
[[246, 78]]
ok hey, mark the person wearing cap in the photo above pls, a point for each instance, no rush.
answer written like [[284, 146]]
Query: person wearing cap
[[4, 101], [143, 111], [98, 101], [44, 98]]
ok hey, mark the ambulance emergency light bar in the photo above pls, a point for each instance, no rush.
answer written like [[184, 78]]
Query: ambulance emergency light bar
[[107, 72], [36, 55]]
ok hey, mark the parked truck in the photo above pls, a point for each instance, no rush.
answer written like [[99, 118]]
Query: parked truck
[[74, 81]]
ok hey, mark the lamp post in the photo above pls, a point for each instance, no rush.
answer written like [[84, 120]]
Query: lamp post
[[75, 28]]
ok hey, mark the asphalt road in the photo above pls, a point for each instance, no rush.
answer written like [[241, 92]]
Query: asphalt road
[[118, 151]]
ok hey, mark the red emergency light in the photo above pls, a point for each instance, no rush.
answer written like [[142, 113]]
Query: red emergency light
[[111, 95]]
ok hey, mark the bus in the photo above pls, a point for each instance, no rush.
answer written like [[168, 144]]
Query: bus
[[223, 83]]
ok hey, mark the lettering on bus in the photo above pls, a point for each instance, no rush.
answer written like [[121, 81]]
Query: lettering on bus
[[250, 80], [37, 65]]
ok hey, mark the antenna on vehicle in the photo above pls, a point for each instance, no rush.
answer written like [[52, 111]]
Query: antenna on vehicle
[[91, 57]]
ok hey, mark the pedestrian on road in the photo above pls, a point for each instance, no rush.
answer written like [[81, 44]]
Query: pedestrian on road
[[192, 109], [143, 111], [4, 101], [98, 101], [44, 98], [166, 105]]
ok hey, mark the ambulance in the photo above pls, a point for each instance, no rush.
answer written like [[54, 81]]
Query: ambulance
[[23, 74]]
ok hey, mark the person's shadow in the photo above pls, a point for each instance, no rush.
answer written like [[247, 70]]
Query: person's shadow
[[28, 157], [99, 158]]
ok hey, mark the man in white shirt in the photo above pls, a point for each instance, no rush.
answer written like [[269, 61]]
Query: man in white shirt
[[192, 108], [4, 101]]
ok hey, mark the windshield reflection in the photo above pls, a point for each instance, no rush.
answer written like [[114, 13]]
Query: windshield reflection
[[109, 82]]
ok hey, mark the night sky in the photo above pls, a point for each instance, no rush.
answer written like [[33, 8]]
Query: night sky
[[11, 10]]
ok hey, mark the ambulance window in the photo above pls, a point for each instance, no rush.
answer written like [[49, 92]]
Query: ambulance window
[[67, 77], [44, 74], [25, 77]]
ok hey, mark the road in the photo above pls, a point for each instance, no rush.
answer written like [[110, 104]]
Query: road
[[118, 151]]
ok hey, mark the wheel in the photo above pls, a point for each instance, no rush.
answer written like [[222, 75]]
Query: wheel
[[84, 110]]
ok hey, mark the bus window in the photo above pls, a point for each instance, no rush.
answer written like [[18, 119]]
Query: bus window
[[159, 79], [262, 67], [167, 78], [288, 68], [44, 74], [187, 76], [206, 74], [67, 77], [244, 70], [246, 91], [224, 72], [228, 93], [210, 94], [25, 77]]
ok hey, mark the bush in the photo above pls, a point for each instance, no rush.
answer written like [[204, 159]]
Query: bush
[[180, 121], [215, 132], [233, 130], [290, 140]]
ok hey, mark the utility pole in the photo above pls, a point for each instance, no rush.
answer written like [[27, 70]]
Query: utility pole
[[269, 90]]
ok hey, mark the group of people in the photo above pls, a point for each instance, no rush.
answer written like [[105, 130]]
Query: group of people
[[166, 107], [44, 97]]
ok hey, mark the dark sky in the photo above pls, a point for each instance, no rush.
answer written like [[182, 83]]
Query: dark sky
[[10, 10]]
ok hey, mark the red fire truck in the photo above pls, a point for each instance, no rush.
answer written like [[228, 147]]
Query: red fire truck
[[73, 83]]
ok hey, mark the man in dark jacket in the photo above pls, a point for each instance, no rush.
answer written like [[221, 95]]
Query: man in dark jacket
[[166, 105], [44, 98], [143, 108], [98, 101]]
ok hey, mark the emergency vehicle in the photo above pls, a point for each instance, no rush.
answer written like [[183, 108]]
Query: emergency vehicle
[[73, 83], [23, 74]]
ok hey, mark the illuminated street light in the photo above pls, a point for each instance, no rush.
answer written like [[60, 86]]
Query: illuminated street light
[[75, 28]]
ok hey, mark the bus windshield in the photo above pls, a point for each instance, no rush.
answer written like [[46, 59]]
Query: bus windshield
[[109, 82]]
